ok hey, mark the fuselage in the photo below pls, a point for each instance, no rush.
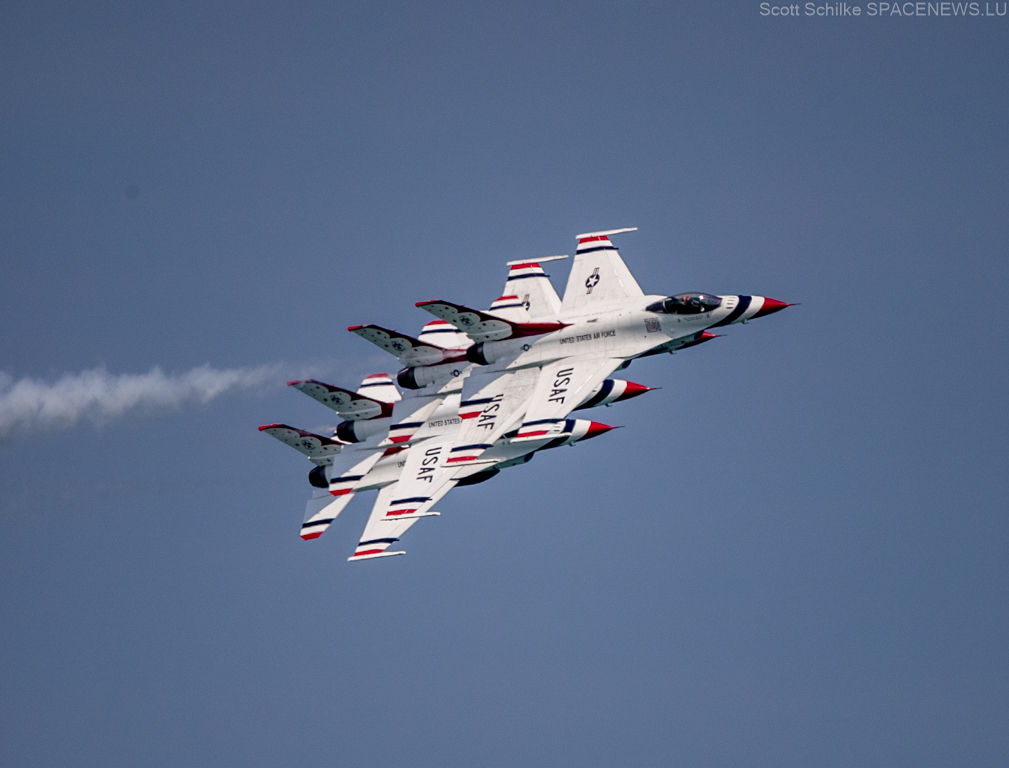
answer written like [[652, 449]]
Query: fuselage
[[629, 328]]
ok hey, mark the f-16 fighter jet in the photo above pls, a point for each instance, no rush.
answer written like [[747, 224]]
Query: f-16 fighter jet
[[525, 366], [367, 450]]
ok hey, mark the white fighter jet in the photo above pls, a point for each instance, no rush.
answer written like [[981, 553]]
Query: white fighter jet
[[366, 451], [526, 365]]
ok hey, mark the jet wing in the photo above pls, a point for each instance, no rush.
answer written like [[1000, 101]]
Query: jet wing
[[493, 402], [350, 405], [561, 387], [410, 351], [379, 533], [483, 326], [345, 474], [399, 505], [318, 448], [598, 274]]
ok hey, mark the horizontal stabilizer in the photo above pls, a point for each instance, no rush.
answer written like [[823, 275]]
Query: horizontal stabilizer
[[316, 447], [483, 326], [411, 352], [350, 405]]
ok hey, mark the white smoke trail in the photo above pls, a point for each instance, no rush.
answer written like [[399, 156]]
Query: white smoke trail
[[100, 396]]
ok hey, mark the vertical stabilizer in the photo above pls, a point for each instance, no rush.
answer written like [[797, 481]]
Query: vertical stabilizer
[[380, 387], [528, 292], [598, 274]]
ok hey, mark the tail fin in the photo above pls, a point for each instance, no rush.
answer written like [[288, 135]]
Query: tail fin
[[528, 287], [598, 274], [442, 334], [380, 387]]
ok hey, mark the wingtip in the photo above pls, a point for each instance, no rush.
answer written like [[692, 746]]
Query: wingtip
[[269, 426], [293, 383], [354, 327], [373, 556]]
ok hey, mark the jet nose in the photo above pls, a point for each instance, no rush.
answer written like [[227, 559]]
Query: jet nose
[[771, 306], [633, 389], [597, 428]]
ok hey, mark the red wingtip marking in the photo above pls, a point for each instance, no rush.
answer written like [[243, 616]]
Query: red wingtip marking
[[502, 298], [292, 383], [341, 492], [354, 327], [527, 265], [423, 303], [307, 536], [368, 552], [268, 426]]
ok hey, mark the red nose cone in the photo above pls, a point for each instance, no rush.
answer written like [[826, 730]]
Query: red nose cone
[[633, 390], [596, 428], [770, 307]]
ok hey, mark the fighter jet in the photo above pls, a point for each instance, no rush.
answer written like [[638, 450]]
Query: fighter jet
[[506, 391], [367, 450]]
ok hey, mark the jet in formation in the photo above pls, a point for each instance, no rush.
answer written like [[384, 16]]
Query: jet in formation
[[485, 390]]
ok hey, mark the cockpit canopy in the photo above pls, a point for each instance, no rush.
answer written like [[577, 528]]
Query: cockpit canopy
[[686, 304]]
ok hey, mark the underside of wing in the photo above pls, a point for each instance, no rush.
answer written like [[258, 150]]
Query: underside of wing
[[344, 475], [379, 533], [318, 448], [483, 326], [410, 351], [350, 405], [492, 404], [562, 386], [320, 512]]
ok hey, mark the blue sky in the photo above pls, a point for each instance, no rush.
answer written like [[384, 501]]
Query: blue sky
[[793, 554]]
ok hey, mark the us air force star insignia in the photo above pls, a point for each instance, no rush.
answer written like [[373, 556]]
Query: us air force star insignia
[[592, 281]]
